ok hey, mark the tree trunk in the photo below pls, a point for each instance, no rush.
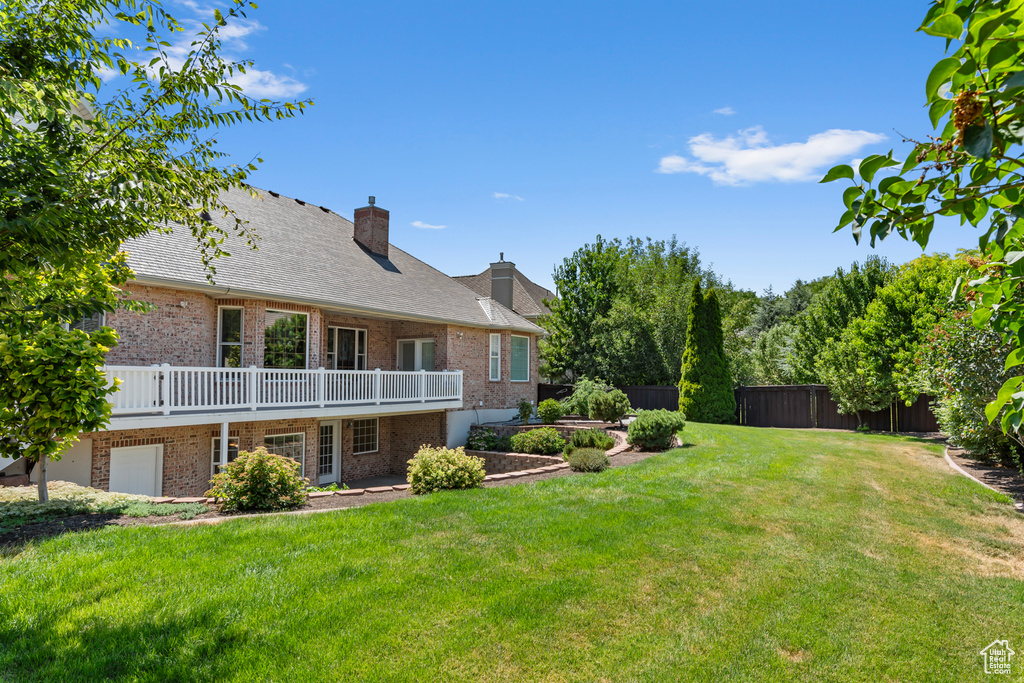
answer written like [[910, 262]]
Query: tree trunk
[[44, 495], [859, 420]]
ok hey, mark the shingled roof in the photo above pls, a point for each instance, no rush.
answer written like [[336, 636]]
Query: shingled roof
[[306, 254], [527, 295]]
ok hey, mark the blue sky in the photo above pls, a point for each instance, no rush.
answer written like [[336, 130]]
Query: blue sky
[[570, 109]]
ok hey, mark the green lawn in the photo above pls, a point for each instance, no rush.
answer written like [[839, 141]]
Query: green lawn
[[747, 555]]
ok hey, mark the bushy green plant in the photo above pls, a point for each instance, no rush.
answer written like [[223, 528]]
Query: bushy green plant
[[482, 440], [608, 406], [588, 460], [147, 509], [434, 469], [652, 430], [589, 438], [550, 411], [966, 368], [582, 390], [333, 486], [504, 444], [543, 441], [259, 480], [705, 385], [525, 411]]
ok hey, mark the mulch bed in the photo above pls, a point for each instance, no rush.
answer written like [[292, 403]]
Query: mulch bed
[[28, 532], [998, 476]]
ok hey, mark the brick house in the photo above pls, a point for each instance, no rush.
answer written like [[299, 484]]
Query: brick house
[[527, 296], [327, 344]]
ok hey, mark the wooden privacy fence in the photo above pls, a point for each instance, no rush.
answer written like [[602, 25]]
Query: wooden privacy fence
[[811, 405], [640, 397]]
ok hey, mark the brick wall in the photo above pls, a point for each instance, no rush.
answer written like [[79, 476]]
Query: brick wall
[[495, 463], [168, 333], [409, 432], [470, 353]]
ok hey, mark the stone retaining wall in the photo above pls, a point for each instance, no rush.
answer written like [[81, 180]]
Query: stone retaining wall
[[495, 462]]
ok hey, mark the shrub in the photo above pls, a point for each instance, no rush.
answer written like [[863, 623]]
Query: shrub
[[543, 441], [434, 469], [579, 402], [588, 460], [550, 411], [608, 406], [705, 384], [504, 444], [525, 411], [259, 480], [652, 430], [589, 438], [482, 440]]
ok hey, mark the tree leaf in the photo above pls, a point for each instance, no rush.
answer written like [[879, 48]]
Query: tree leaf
[[946, 26], [978, 141], [871, 164], [1015, 80], [837, 172], [940, 73]]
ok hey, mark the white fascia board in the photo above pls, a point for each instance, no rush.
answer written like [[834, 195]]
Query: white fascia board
[[267, 415]]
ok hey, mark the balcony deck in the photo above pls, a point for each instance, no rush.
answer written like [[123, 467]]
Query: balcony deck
[[165, 395]]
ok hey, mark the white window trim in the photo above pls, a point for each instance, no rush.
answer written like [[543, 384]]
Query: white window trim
[[331, 329], [490, 355], [418, 362], [241, 335], [282, 310], [528, 351], [302, 460], [376, 422], [215, 454], [103, 321]]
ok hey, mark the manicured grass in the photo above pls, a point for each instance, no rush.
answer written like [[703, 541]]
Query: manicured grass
[[748, 555]]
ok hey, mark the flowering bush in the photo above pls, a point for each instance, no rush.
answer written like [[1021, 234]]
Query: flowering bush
[[543, 441], [434, 469], [259, 480], [482, 439]]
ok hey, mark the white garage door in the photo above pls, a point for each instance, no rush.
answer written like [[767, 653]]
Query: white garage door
[[137, 469]]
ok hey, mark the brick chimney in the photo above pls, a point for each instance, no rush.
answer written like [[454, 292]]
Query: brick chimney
[[501, 281], [371, 228]]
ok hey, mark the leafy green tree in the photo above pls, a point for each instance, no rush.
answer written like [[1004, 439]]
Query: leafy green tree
[[52, 388], [620, 313], [86, 166], [705, 387], [965, 369], [841, 298], [770, 355], [971, 170], [876, 360]]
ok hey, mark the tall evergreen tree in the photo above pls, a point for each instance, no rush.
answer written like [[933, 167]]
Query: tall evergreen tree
[[705, 388]]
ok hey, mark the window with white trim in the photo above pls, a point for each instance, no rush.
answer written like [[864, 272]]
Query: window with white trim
[[364, 436], [229, 338], [90, 323], [289, 445], [416, 354], [520, 359], [346, 348], [232, 453], [285, 339], [495, 357]]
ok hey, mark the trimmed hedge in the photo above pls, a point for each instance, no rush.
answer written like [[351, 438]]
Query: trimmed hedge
[[543, 441], [588, 460], [652, 430]]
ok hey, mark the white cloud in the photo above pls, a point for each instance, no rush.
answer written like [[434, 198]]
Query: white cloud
[[725, 111], [506, 195], [254, 82], [427, 226], [749, 157]]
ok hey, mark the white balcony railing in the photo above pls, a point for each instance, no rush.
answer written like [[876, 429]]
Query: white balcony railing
[[171, 389]]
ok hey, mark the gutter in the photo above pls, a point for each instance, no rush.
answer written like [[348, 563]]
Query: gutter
[[317, 303]]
